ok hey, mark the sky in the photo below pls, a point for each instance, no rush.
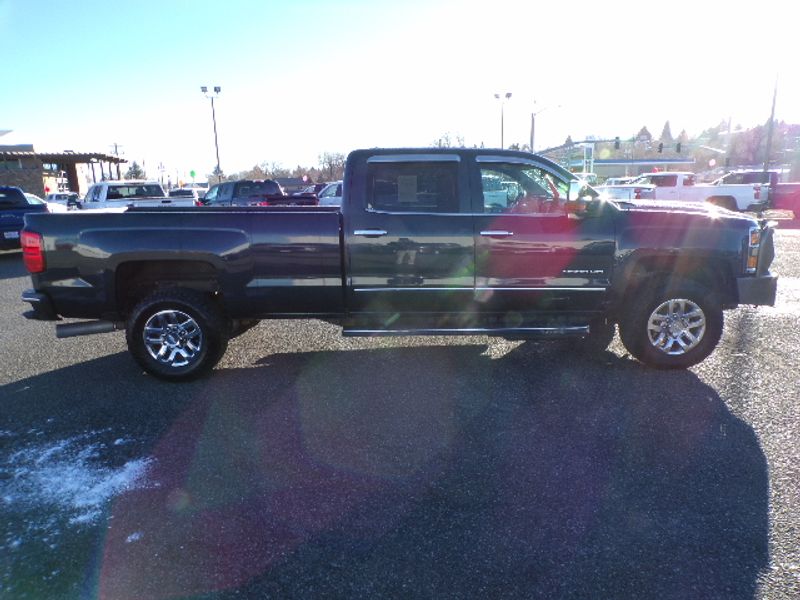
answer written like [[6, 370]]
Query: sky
[[303, 77]]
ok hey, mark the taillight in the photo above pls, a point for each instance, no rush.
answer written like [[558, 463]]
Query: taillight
[[198, 203], [757, 192], [637, 194], [32, 251]]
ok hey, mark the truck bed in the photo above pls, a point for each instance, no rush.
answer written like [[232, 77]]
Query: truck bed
[[283, 260]]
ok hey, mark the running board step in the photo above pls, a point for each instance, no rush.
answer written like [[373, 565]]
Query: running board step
[[521, 332]]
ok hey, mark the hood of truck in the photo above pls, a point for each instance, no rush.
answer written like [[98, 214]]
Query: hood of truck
[[677, 227], [677, 209]]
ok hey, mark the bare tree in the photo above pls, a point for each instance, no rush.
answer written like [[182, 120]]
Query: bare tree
[[332, 165]]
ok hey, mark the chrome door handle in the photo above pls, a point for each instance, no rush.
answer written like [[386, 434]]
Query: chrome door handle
[[497, 233], [370, 232]]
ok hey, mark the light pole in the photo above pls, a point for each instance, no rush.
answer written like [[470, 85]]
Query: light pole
[[217, 90], [502, 99]]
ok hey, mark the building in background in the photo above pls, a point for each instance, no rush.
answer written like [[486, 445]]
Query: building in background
[[44, 172]]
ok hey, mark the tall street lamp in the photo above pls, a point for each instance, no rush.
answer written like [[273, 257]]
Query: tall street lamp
[[502, 99], [211, 96]]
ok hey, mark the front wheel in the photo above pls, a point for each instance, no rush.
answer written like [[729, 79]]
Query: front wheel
[[675, 327], [177, 334]]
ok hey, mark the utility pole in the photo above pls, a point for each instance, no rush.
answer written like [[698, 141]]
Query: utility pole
[[770, 127], [502, 99]]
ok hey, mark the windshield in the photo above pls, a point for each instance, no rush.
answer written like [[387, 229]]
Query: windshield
[[140, 190], [258, 188]]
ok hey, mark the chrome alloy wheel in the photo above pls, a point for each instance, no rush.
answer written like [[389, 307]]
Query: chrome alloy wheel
[[173, 338], [676, 326]]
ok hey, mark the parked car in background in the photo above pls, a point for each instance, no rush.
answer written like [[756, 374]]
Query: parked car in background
[[14, 205], [52, 207], [184, 192], [590, 178], [626, 191], [130, 193], [331, 194], [69, 199], [200, 186], [618, 180], [254, 192], [315, 188]]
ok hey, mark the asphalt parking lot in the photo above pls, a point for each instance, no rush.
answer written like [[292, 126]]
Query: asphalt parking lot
[[308, 465]]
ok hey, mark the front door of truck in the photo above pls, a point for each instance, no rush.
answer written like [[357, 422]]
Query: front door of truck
[[409, 236], [533, 256]]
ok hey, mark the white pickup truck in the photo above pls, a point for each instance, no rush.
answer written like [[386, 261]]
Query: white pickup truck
[[128, 193], [679, 185]]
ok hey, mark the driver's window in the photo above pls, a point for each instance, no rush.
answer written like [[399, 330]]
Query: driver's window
[[522, 189]]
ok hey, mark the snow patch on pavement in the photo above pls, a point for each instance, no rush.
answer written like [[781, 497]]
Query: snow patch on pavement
[[71, 475]]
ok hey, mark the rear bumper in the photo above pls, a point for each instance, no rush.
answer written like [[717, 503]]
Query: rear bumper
[[42, 307], [758, 290]]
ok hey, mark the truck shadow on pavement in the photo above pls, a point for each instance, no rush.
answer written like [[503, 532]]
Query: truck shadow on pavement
[[11, 265], [427, 472]]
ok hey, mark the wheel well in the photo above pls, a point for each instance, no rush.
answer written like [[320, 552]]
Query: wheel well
[[134, 280], [714, 274]]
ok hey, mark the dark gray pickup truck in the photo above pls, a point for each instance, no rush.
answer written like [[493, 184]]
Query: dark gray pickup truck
[[427, 242]]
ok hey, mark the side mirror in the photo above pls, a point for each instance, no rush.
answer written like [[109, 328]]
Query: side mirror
[[576, 187], [578, 201]]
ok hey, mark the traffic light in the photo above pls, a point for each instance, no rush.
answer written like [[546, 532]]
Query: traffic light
[[660, 147], [616, 143], [678, 147]]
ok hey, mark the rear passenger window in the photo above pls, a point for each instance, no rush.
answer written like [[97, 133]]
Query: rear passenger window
[[10, 197], [412, 187], [665, 180]]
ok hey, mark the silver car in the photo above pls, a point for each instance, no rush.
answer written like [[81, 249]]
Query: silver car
[[331, 194]]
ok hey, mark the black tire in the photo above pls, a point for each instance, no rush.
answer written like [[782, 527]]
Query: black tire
[[677, 335], [188, 334]]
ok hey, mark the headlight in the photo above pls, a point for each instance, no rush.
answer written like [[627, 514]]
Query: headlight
[[752, 249]]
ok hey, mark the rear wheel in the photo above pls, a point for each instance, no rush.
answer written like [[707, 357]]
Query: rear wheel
[[177, 334], [675, 327]]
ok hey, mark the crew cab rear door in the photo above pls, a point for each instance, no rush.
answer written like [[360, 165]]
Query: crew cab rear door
[[532, 255], [409, 234]]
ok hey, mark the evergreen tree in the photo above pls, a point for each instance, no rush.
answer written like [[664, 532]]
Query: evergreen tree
[[666, 134], [135, 171]]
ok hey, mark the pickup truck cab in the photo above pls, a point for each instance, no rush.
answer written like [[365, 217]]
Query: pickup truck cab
[[130, 193], [427, 241], [681, 185]]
